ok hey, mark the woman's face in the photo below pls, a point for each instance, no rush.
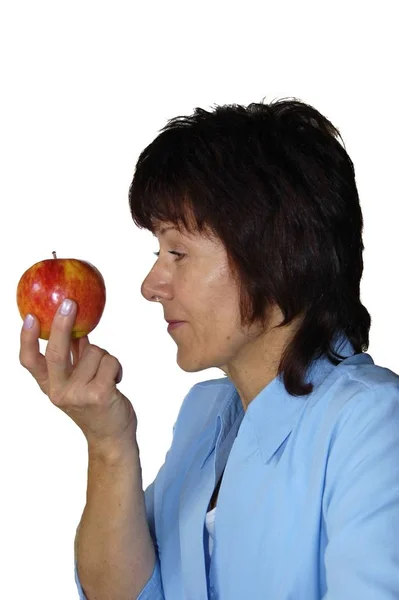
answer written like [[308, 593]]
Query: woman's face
[[197, 287]]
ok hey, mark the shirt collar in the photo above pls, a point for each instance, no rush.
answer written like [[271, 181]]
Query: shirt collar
[[273, 412]]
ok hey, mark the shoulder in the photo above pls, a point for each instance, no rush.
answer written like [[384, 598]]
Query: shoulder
[[356, 391], [201, 405], [362, 411], [211, 391]]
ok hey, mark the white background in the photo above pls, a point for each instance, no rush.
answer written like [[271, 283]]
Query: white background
[[85, 86]]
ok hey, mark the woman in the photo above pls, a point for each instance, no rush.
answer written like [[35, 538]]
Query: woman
[[281, 481]]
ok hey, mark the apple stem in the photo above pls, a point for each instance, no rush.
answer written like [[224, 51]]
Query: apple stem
[[54, 254]]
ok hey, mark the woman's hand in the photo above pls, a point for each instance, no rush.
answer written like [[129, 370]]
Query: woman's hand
[[84, 386]]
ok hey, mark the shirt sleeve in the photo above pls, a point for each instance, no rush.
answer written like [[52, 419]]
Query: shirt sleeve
[[361, 500], [151, 591]]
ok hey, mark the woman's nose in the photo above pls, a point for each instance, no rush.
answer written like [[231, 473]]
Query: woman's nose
[[147, 291], [150, 291]]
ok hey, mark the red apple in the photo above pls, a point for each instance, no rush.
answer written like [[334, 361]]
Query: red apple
[[45, 284]]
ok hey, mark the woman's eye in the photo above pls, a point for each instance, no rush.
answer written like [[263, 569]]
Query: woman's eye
[[179, 255]]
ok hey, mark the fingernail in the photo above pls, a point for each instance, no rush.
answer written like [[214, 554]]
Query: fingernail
[[66, 307], [28, 321]]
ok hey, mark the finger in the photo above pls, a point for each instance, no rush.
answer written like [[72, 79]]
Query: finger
[[109, 372], [74, 351], [77, 347], [88, 365], [58, 351], [30, 356]]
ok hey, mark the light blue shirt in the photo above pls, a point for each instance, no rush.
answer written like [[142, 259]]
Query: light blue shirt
[[308, 508]]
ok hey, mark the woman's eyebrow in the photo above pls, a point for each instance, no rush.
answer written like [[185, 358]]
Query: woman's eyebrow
[[163, 230]]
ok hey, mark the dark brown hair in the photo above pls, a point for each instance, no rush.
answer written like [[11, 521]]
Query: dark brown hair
[[273, 182]]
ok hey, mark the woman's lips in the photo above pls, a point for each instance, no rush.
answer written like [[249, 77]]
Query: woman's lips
[[174, 324]]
